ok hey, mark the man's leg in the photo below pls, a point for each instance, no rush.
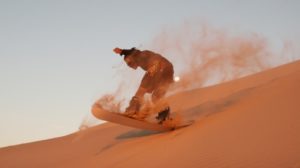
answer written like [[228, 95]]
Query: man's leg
[[159, 93], [161, 106], [134, 109], [134, 106], [135, 102]]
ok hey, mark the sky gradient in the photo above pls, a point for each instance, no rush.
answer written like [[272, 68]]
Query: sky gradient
[[56, 57]]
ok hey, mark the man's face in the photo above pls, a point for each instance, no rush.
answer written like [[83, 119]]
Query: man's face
[[130, 62]]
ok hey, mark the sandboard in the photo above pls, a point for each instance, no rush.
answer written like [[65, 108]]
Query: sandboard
[[118, 118]]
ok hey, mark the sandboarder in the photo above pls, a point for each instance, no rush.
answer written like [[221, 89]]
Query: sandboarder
[[156, 81]]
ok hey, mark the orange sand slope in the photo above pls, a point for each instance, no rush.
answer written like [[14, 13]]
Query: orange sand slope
[[250, 122]]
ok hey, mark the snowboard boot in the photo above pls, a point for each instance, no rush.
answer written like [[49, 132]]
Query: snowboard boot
[[129, 113], [163, 115], [139, 116]]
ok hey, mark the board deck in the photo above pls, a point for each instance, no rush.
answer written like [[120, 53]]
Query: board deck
[[118, 118]]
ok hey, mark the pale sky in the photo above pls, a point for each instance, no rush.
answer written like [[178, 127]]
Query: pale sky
[[56, 56]]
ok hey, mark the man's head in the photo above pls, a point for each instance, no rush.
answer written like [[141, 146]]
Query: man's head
[[128, 56]]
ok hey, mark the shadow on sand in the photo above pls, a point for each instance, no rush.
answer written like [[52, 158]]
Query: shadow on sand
[[136, 134]]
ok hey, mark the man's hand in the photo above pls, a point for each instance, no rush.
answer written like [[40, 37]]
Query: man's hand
[[117, 50]]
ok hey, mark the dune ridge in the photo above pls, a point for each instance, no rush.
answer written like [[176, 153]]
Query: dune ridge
[[248, 122]]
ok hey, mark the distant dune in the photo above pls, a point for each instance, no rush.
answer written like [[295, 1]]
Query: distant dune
[[249, 122]]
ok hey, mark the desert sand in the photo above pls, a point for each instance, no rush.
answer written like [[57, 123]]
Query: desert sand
[[253, 121]]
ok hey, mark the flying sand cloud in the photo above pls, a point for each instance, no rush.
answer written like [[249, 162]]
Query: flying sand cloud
[[202, 55]]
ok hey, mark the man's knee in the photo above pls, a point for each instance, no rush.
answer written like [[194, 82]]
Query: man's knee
[[155, 98], [158, 94]]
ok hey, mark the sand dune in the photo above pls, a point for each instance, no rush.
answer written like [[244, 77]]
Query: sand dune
[[249, 122]]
